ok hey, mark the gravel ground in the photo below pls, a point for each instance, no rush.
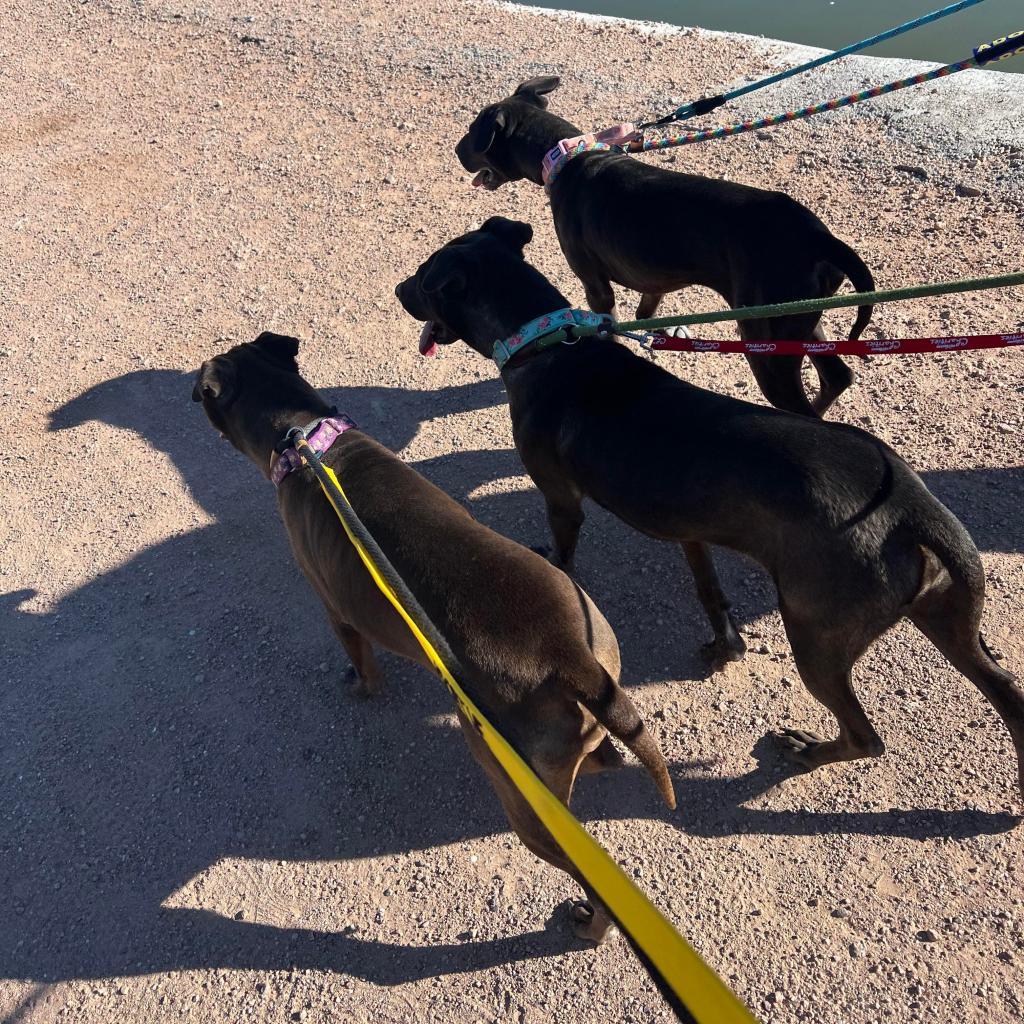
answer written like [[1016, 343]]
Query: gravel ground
[[197, 822]]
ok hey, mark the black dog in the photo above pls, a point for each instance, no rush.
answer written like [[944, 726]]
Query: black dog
[[621, 220], [549, 684], [851, 536]]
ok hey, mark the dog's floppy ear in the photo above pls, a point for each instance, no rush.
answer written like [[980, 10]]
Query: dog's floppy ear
[[535, 89], [515, 233], [445, 275], [279, 348], [485, 129], [215, 380]]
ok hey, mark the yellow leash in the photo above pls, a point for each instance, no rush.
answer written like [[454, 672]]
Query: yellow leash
[[697, 987]]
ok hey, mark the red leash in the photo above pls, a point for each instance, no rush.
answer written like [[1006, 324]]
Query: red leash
[[862, 347]]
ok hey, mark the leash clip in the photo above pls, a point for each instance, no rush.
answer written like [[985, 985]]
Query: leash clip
[[288, 441]]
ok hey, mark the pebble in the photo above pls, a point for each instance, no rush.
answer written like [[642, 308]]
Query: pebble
[[967, 191], [918, 172], [927, 935]]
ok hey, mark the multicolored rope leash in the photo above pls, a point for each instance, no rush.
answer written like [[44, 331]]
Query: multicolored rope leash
[[999, 49]]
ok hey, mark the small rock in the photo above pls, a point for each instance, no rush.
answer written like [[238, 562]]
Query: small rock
[[918, 172], [1006, 428], [840, 912], [967, 191], [856, 951], [927, 935]]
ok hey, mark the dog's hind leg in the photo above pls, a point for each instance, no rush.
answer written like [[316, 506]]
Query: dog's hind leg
[[727, 645], [778, 377], [951, 617], [600, 296], [369, 679], [590, 920], [565, 517], [825, 657], [834, 377], [648, 305], [603, 758]]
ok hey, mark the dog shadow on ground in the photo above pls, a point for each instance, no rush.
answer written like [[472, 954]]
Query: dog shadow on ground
[[171, 713]]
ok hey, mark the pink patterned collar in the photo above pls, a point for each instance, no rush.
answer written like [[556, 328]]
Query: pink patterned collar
[[557, 157], [320, 434]]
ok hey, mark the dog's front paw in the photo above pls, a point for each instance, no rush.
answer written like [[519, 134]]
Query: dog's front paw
[[548, 552], [723, 650], [360, 687]]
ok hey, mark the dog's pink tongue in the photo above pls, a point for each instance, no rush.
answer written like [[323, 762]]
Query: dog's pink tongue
[[428, 347], [479, 179]]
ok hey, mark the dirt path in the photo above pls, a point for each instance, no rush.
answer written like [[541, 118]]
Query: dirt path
[[196, 822]]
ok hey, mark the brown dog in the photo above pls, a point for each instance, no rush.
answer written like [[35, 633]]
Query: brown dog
[[619, 219], [538, 658]]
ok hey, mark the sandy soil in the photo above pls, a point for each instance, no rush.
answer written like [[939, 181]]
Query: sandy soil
[[197, 822]]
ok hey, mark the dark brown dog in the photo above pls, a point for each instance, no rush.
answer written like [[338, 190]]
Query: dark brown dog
[[851, 536], [622, 220], [539, 658]]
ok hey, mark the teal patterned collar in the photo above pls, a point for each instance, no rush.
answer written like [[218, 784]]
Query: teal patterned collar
[[540, 332]]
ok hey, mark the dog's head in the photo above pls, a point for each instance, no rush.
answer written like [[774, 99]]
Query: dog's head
[[507, 138], [475, 286], [251, 392]]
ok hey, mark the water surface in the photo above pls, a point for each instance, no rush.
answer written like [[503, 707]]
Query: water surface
[[832, 23]]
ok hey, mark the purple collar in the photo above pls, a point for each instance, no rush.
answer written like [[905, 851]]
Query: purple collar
[[320, 435]]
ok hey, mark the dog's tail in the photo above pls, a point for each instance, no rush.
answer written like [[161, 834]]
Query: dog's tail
[[618, 714], [841, 256]]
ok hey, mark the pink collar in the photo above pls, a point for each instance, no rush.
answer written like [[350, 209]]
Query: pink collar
[[610, 138], [320, 434]]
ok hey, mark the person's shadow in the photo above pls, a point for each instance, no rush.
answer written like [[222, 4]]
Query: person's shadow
[[174, 712]]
